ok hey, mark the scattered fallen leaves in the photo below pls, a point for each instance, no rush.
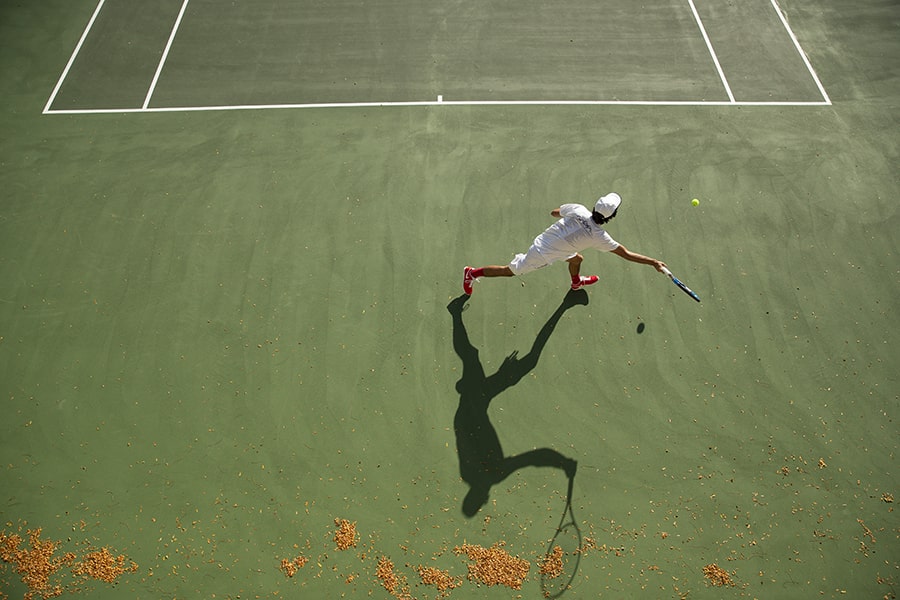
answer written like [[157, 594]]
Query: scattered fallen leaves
[[494, 566], [35, 564], [346, 536], [552, 564], [102, 565], [868, 532], [717, 575], [394, 584], [589, 543], [290, 567], [442, 580], [38, 562], [385, 573]]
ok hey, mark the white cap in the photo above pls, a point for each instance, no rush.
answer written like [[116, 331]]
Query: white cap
[[608, 204]]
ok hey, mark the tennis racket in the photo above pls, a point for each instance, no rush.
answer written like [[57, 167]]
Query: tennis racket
[[683, 287]]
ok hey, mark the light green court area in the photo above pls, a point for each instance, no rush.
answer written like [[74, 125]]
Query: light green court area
[[222, 330]]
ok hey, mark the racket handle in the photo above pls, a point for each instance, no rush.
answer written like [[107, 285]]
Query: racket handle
[[667, 272]]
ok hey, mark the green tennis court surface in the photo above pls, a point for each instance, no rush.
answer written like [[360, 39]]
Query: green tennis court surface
[[223, 330]]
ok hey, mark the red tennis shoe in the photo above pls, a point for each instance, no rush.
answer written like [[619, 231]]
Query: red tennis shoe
[[468, 280], [583, 281]]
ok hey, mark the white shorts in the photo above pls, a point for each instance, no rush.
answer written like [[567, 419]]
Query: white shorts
[[532, 260]]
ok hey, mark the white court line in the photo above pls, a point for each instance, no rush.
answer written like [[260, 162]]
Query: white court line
[[165, 54], [801, 52], [711, 51], [72, 58], [442, 102]]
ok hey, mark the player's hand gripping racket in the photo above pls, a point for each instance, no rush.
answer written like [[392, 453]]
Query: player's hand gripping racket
[[684, 288]]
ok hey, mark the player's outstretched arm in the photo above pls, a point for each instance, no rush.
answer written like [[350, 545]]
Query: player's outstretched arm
[[639, 258]]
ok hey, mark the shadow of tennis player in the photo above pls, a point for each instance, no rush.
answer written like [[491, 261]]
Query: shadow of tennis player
[[481, 460]]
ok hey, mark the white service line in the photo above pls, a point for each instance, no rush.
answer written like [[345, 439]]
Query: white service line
[[165, 54], [711, 51], [72, 58], [801, 52]]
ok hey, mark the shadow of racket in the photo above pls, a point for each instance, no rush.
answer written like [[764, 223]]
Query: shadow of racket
[[563, 554]]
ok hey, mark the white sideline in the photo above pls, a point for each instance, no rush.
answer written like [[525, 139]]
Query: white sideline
[[801, 52], [165, 54], [712, 52], [75, 52]]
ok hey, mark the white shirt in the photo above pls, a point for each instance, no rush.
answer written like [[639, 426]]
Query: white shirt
[[574, 232]]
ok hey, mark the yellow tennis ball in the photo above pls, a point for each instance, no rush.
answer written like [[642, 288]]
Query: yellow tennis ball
[[695, 202]]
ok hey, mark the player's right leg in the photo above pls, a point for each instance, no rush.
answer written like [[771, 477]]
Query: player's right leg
[[578, 281]]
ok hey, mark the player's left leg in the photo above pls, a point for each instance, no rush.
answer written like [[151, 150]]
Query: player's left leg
[[471, 275]]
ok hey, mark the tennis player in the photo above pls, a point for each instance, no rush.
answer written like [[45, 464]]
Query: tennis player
[[577, 229]]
